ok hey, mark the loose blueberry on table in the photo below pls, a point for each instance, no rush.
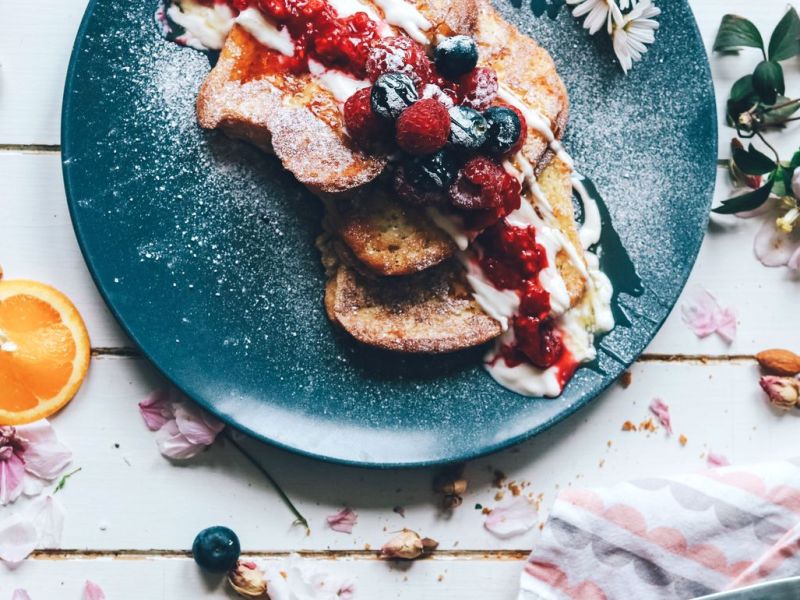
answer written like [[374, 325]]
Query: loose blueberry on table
[[216, 549]]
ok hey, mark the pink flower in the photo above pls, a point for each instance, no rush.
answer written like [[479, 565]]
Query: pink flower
[[39, 525], [20, 595], [183, 428], [343, 521], [783, 392], [775, 247], [30, 455], [717, 460], [661, 410], [513, 518], [92, 591], [293, 579], [703, 314]]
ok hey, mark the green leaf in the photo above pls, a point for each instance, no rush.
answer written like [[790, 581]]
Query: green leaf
[[753, 162], [768, 81], [795, 162], [785, 40], [736, 32], [782, 179], [749, 201], [776, 116], [742, 98]]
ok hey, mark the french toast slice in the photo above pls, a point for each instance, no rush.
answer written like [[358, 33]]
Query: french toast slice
[[431, 312]]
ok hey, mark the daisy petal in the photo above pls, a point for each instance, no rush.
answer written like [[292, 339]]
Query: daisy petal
[[511, 519], [45, 456], [343, 521]]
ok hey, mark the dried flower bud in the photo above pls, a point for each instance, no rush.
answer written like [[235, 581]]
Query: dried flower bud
[[407, 545], [783, 392], [450, 502], [247, 579]]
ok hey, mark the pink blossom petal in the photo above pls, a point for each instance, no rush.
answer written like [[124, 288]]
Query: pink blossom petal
[[343, 521], [513, 518], [661, 410], [156, 409], [195, 424], [717, 460], [794, 260], [45, 456], [12, 478], [173, 444], [18, 539], [20, 595], [704, 316], [47, 516], [726, 325], [92, 591], [773, 247]]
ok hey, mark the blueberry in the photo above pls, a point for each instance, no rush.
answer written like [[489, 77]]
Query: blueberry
[[504, 129], [216, 549], [432, 172], [468, 128], [456, 55], [392, 93]]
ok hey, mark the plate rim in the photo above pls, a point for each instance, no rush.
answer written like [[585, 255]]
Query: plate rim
[[365, 464]]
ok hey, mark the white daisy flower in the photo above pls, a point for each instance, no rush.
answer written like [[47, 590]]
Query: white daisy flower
[[600, 12], [633, 32]]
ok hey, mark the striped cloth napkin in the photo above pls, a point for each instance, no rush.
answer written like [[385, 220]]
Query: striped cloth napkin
[[670, 537]]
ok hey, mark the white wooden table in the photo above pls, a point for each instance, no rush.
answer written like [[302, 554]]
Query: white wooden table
[[131, 515]]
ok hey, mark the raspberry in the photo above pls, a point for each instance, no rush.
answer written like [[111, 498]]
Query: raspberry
[[535, 301], [398, 55], [539, 340], [423, 127], [512, 259], [365, 127], [478, 88], [483, 184]]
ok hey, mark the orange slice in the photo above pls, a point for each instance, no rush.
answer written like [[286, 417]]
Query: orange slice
[[44, 351]]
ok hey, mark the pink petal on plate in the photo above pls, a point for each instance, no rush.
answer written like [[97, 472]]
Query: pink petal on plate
[[47, 515], [512, 518], [343, 521], [717, 460], [92, 591], [12, 479], [196, 425], [173, 444], [20, 595], [700, 312], [726, 325], [45, 456], [773, 247], [18, 539], [661, 410], [156, 409]]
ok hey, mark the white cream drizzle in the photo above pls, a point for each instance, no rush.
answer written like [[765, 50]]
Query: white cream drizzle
[[208, 26], [451, 225], [577, 324], [338, 83], [405, 15]]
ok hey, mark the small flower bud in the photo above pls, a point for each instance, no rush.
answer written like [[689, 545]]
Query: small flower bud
[[247, 579], [407, 545], [783, 392]]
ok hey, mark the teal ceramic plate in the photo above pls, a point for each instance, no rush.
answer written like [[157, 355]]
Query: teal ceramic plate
[[204, 248]]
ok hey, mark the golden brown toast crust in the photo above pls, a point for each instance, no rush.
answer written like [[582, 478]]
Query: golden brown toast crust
[[291, 116], [428, 312], [387, 237]]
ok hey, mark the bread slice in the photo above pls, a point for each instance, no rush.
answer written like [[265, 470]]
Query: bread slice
[[429, 312]]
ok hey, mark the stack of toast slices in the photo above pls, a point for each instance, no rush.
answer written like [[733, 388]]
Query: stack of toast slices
[[395, 278]]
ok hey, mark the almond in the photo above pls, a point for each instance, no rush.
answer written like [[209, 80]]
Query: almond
[[779, 362]]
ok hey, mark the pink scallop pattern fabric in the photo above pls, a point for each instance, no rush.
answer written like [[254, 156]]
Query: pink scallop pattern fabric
[[669, 538]]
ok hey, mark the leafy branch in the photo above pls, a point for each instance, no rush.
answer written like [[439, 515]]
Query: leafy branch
[[757, 103]]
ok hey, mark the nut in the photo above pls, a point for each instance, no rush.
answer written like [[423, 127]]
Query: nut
[[779, 362]]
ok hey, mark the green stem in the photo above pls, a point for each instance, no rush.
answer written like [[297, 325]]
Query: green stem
[[63, 481], [300, 519], [783, 105]]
